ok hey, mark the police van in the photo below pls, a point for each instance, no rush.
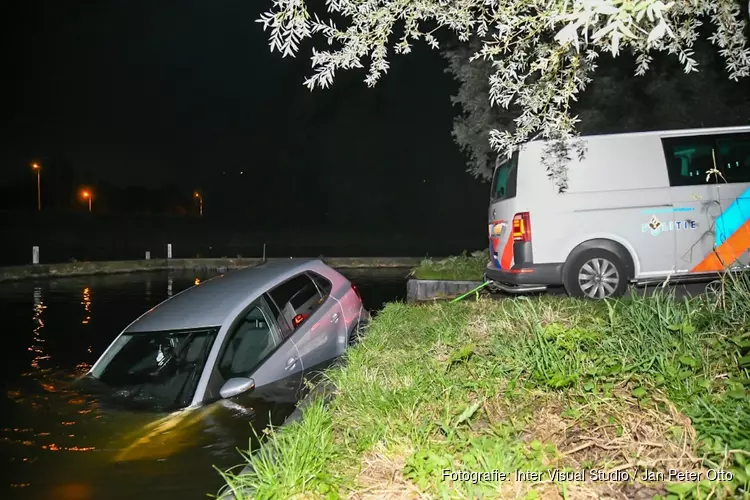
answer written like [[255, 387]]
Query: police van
[[638, 208]]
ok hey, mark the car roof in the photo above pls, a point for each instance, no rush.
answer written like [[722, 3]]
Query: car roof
[[210, 303]]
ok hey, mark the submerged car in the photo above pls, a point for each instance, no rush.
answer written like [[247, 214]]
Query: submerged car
[[259, 330]]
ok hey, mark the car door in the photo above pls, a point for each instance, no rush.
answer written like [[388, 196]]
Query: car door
[[340, 318], [255, 348], [694, 199], [311, 320]]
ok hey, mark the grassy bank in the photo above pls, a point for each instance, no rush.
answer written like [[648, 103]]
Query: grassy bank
[[466, 267], [527, 385]]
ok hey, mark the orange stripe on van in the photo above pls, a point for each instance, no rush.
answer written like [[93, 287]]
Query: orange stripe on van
[[728, 252], [507, 253]]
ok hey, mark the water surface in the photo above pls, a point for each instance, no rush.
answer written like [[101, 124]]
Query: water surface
[[60, 444]]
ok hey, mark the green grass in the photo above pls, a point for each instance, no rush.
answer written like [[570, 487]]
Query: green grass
[[468, 267], [526, 384]]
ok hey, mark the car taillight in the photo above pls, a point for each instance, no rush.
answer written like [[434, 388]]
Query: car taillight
[[522, 227], [354, 287]]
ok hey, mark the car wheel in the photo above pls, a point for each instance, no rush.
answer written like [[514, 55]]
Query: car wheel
[[596, 274]]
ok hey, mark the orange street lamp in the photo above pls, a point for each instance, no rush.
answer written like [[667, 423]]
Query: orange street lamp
[[87, 195], [200, 202], [37, 168]]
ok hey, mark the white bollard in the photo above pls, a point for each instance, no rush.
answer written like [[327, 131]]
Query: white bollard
[[148, 255], [264, 252], [35, 255], [169, 250]]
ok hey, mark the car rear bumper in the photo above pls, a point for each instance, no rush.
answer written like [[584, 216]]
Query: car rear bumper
[[527, 279]]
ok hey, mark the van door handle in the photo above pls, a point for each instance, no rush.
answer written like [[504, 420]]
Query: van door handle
[[335, 318], [290, 364]]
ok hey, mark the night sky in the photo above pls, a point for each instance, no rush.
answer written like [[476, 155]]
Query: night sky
[[187, 92]]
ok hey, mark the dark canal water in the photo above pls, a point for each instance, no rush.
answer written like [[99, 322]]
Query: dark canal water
[[59, 444]]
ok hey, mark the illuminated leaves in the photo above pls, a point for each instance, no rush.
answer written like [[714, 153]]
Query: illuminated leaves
[[543, 52]]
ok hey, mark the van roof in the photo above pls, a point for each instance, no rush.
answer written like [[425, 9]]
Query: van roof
[[210, 303], [668, 133]]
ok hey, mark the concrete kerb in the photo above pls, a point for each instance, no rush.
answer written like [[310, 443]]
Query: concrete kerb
[[422, 290], [69, 269]]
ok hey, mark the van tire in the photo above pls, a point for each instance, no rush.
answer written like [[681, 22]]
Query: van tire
[[590, 263]]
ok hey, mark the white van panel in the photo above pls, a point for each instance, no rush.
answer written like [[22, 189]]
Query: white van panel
[[617, 163], [621, 192]]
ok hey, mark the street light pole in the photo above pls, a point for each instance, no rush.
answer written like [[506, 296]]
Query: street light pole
[[88, 196], [200, 203], [38, 186]]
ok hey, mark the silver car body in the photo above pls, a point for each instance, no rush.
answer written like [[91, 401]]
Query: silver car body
[[645, 198], [221, 302]]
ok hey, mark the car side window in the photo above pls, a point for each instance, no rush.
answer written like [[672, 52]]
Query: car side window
[[296, 299], [247, 344], [734, 158], [323, 284], [689, 159]]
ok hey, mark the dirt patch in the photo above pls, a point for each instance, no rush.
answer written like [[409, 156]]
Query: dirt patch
[[381, 477], [620, 440]]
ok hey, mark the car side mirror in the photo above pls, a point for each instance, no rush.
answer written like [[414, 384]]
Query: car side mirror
[[235, 386]]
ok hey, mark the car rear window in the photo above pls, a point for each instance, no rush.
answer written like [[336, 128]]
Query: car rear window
[[504, 180]]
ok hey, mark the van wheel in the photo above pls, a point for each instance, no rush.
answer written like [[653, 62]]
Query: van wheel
[[596, 274]]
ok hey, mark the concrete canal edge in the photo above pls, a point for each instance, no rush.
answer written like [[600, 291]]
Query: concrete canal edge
[[67, 269], [422, 290]]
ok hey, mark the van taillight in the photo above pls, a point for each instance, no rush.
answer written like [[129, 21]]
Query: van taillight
[[522, 227], [354, 287]]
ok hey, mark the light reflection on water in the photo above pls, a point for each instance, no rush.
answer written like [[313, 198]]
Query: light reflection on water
[[57, 443], [38, 321]]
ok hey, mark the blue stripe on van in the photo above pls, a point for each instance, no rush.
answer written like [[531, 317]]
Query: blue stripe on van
[[495, 261], [733, 218]]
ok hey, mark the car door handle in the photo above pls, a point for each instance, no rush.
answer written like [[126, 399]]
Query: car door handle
[[335, 318], [290, 364]]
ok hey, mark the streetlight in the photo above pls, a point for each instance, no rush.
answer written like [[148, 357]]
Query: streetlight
[[200, 202], [35, 167], [87, 195]]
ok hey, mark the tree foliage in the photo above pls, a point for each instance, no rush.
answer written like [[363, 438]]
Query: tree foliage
[[615, 102], [543, 53]]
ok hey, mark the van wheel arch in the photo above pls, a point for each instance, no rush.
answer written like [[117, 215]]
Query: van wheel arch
[[603, 244]]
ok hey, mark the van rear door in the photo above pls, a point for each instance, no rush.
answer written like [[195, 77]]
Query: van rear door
[[501, 211]]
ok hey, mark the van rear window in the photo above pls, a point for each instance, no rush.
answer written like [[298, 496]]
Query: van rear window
[[504, 180]]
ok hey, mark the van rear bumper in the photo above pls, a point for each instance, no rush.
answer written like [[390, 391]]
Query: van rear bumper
[[530, 278]]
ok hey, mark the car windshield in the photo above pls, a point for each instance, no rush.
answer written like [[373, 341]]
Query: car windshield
[[156, 371]]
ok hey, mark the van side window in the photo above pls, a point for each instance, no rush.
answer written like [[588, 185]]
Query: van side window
[[504, 179], [734, 158], [689, 159]]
